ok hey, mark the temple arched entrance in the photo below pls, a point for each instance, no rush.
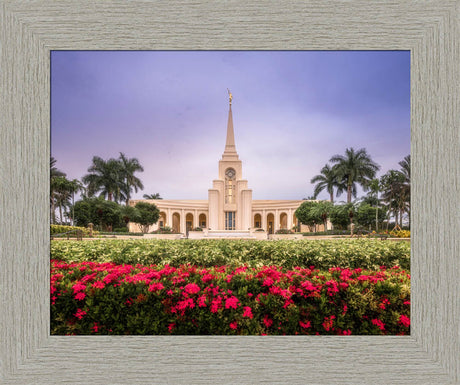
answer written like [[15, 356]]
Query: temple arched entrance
[[202, 221], [176, 222], [188, 223], [257, 221], [270, 223]]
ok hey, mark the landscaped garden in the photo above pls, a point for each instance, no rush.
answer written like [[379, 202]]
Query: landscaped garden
[[355, 286]]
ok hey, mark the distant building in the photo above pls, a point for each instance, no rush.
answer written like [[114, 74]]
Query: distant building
[[230, 207]]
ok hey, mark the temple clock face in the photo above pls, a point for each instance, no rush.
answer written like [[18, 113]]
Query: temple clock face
[[230, 173]]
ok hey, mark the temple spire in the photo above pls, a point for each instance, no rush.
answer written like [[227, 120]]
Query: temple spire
[[230, 149]]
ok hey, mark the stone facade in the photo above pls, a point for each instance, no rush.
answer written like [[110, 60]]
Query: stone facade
[[230, 206]]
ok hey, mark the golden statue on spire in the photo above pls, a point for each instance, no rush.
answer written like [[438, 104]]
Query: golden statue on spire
[[230, 96]]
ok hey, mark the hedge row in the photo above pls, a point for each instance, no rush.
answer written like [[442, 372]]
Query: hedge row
[[105, 298], [59, 229], [323, 254]]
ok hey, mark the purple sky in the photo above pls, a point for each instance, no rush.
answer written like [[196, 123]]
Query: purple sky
[[292, 111]]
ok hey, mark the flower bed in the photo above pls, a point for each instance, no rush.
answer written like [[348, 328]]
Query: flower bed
[[352, 253], [106, 298]]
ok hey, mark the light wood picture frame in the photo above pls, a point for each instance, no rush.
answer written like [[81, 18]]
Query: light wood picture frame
[[30, 30]]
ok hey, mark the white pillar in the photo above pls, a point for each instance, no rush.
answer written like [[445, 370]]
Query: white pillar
[[264, 221], [168, 218], [182, 221], [289, 220], [277, 221], [195, 219]]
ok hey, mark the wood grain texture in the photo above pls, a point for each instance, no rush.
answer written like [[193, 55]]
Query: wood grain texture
[[29, 30]]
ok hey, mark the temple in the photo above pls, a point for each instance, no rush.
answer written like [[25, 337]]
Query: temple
[[230, 209]]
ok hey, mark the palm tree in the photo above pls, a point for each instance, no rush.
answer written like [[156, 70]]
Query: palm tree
[[354, 167], [54, 173], [392, 193], [405, 188], [129, 167], [374, 189], [152, 196], [106, 177], [61, 186], [74, 186], [326, 180]]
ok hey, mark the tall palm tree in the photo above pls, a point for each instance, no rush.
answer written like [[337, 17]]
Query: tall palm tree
[[392, 184], [74, 186], [355, 167], [326, 180], [62, 188], [152, 196], [105, 177], [405, 188], [54, 173], [374, 189], [129, 168]]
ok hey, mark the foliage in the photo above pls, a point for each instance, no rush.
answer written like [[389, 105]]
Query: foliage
[[59, 229], [164, 230], [400, 233], [326, 180], [152, 196], [147, 215], [284, 231], [306, 214], [94, 298], [340, 215], [352, 253], [101, 213], [365, 215], [130, 182], [197, 229], [355, 167]]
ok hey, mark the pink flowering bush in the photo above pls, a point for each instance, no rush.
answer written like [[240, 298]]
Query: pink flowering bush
[[107, 298]]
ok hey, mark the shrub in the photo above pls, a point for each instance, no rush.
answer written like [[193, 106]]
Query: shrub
[[105, 298], [352, 253], [197, 229], [400, 233], [59, 229], [284, 231]]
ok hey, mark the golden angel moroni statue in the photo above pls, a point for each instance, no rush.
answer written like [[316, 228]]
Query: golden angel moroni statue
[[230, 96]]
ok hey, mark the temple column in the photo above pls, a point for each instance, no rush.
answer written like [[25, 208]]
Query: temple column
[[277, 221], [182, 222]]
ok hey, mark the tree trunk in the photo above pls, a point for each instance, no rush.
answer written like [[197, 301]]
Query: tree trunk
[[348, 193], [332, 197], [53, 211], [109, 196], [60, 213]]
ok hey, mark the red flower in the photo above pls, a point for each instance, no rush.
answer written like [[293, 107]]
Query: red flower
[[78, 287], [233, 325], [192, 288], [328, 322], [231, 302], [305, 325], [80, 296], [378, 323], [248, 312], [80, 314], [202, 301], [98, 285], [171, 326], [403, 320], [95, 327], [267, 321], [157, 286]]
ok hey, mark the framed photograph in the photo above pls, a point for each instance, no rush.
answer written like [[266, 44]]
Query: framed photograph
[[31, 31]]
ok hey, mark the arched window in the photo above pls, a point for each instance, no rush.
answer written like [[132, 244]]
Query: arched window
[[230, 186]]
